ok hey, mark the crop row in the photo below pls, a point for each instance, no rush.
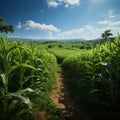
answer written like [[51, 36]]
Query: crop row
[[93, 78], [27, 75]]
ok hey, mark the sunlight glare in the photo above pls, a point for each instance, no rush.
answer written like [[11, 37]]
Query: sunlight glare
[[94, 2]]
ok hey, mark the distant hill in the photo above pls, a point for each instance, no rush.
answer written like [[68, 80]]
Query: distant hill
[[59, 40], [44, 40]]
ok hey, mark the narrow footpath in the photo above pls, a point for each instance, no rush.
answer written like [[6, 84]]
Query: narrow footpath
[[61, 97]]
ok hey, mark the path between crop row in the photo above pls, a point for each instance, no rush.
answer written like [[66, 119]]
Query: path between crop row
[[61, 97]]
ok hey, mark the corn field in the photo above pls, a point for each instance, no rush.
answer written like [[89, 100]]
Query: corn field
[[27, 74], [93, 78]]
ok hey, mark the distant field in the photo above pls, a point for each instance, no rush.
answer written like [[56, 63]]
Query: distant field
[[61, 54], [66, 45], [62, 49]]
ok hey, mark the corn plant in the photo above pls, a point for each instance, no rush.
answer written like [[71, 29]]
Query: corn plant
[[27, 75], [93, 76]]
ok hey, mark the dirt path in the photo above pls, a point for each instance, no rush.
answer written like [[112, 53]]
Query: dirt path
[[61, 97]]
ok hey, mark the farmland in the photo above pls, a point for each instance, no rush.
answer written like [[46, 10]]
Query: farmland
[[28, 73], [93, 79]]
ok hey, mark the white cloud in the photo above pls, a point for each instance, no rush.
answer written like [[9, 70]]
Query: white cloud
[[90, 32], [19, 26], [86, 32], [115, 23], [110, 20], [109, 23], [104, 22], [67, 3], [72, 2], [111, 14], [31, 25], [52, 3]]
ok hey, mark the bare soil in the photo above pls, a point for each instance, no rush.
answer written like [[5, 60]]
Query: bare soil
[[61, 97]]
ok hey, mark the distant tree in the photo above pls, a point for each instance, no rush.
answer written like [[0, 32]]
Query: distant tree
[[1, 24], [1, 20], [8, 28], [60, 46], [106, 34], [5, 28], [50, 46], [82, 47]]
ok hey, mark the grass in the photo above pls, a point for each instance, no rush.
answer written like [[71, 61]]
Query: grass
[[62, 53]]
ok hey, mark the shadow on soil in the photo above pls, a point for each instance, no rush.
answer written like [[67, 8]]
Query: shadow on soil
[[71, 110]]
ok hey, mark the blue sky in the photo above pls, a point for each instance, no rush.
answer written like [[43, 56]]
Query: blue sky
[[61, 19]]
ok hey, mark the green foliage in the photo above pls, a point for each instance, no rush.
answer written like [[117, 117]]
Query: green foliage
[[94, 77], [5, 28], [27, 74], [106, 34]]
